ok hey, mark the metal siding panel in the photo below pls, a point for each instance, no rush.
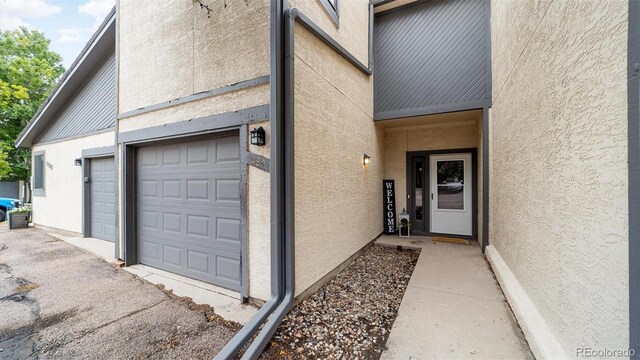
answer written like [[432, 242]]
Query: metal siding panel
[[430, 54], [103, 199], [91, 109], [189, 209]]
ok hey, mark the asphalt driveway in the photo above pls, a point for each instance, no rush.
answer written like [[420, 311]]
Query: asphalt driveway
[[59, 301]]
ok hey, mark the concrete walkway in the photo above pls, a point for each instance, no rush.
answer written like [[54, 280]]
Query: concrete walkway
[[452, 308], [226, 303]]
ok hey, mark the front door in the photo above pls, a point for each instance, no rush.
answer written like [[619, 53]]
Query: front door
[[451, 194]]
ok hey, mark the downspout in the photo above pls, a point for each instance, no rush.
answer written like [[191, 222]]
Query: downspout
[[283, 174], [233, 347]]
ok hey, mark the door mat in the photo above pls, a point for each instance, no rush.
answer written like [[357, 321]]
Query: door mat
[[450, 240]]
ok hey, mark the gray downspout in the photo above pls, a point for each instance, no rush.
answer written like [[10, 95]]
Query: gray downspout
[[231, 349], [283, 174]]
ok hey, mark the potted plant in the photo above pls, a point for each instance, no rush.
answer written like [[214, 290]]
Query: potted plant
[[19, 217]]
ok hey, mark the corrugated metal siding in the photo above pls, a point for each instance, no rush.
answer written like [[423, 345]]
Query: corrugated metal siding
[[91, 109], [432, 54]]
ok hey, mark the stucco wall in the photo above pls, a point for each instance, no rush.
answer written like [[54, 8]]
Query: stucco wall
[[172, 49], [338, 199], [61, 207], [436, 136], [259, 219], [558, 199], [259, 237], [253, 96], [352, 33]]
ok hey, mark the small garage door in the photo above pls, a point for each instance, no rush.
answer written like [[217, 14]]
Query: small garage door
[[188, 200], [9, 189], [103, 199]]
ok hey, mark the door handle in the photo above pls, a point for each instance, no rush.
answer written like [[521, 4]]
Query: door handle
[[431, 196]]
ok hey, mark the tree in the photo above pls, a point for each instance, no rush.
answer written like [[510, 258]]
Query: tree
[[28, 73], [5, 168]]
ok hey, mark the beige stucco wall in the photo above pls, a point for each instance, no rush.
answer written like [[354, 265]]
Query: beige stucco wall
[[338, 199], [436, 132], [172, 49], [352, 32], [259, 225], [558, 199], [178, 51], [259, 219], [250, 97], [61, 207]]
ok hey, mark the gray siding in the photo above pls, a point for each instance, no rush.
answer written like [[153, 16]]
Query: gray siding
[[91, 109], [432, 57]]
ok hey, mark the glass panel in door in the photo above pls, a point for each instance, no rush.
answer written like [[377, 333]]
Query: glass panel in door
[[450, 183]]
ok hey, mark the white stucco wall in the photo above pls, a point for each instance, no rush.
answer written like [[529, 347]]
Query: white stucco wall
[[558, 199], [61, 207], [338, 199]]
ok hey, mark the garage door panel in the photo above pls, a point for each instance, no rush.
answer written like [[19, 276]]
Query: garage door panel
[[102, 207], [189, 209]]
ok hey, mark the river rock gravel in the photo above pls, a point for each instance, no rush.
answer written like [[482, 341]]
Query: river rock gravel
[[351, 316]]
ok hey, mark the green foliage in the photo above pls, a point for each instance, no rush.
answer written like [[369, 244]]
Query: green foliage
[[5, 168], [21, 210], [28, 72]]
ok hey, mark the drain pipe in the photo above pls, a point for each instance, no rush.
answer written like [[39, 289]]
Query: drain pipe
[[278, 259], [282, 173]]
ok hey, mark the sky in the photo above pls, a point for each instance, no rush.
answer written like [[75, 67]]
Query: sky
[[67, 23]]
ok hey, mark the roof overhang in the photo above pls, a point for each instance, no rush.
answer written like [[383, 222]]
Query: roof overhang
[[97, 48]]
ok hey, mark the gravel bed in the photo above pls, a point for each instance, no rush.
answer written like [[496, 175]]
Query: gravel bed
[[351, 316]]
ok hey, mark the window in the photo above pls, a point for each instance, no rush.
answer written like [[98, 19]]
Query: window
[[332, 8], [38, 173], [450, 184]]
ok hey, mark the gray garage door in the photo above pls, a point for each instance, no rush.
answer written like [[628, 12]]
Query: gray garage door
[[103, 199], [9, 189], [188, 200]]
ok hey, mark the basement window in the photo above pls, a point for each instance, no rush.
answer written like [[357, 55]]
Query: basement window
[[332, 8], [38, 173]]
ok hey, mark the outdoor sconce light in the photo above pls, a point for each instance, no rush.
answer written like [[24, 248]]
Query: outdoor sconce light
[[366, 159], [78, 162], [257, 136]]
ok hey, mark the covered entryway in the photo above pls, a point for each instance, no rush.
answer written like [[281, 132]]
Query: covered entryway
[[436, 163], [102, 206], [188, 209]]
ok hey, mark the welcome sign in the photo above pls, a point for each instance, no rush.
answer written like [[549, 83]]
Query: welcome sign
[[389, 196]]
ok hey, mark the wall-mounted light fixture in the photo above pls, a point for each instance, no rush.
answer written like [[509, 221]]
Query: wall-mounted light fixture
[[78, 162], [366, 159], [258, 136]]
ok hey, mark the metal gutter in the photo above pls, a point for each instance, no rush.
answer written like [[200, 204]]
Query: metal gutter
[[282, 174]]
